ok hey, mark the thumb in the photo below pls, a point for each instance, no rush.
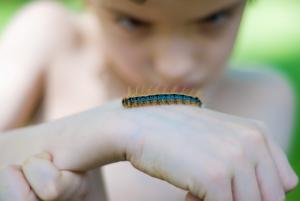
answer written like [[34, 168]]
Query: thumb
[[190, 197], [49, 183]]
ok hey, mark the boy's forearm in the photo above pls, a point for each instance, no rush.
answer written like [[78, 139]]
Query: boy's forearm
[[80, 142]]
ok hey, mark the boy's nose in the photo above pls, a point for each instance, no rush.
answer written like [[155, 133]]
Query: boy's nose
[[174, 61]]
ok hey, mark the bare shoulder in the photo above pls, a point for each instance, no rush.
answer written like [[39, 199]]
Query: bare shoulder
[[265, 95], [264, 81], [42, 12], [44, 7], [41, 25], [35, 36]]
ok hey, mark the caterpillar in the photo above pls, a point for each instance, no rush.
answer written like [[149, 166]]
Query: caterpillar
[[160, 98]]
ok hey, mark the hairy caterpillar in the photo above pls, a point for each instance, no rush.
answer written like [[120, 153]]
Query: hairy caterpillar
[[160, 98]]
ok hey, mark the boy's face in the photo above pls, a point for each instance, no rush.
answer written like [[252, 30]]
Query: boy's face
[[170, 42]]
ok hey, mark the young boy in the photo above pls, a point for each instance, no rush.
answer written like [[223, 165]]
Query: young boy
[[80, 61]]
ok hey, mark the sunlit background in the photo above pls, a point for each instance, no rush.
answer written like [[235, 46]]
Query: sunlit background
[[270, 35]]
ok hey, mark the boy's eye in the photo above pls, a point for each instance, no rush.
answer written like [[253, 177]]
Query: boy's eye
[[216, 18], [131, 23]]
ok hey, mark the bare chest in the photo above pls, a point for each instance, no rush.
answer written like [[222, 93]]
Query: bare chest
[[73, 84]]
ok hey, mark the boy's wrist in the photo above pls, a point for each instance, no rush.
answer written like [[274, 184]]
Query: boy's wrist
[[120, 128], [94, 138]]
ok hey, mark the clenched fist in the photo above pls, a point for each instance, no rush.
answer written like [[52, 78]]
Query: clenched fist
[[39, 179]]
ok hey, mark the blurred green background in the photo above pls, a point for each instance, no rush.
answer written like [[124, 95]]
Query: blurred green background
[[270, 34]]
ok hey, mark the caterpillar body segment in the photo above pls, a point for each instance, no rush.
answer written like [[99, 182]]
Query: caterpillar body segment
[[160, 99]]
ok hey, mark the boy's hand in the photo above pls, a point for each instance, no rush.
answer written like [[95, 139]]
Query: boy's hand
[[38, 179], [216, 157]]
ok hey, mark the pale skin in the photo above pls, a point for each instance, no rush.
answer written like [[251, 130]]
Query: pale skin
[[87, 60]]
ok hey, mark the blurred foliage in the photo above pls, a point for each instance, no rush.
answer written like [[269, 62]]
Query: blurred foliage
[[270, 34]]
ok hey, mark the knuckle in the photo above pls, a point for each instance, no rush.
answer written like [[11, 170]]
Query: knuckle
[[254, 136], [219, 174], [238, 154]]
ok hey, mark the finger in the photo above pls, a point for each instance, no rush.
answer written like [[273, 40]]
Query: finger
[[13, 185], [190, 197], [51, 184], [288, 177], [244, 184], [269, 181], [219, 186]]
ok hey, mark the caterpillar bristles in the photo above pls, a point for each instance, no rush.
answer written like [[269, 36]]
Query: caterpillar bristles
[[160, 95], [198, 93], [153, 89], [143, 90], [164, 89], [129, 94], [183, 91], [136, 91], [188, 92], [192, 92], [173, 90], [157, 89]]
